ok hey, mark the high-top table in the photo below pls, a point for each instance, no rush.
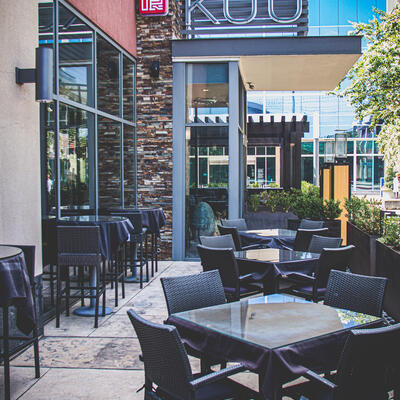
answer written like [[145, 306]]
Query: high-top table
[[274, 238], [279, 337]]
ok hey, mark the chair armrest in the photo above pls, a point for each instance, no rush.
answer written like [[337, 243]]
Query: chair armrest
[[217, 375], [253, 246], [313, 376], [299, 277], [245, 278]]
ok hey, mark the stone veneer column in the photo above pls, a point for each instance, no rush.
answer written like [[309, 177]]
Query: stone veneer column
[[154, 115]]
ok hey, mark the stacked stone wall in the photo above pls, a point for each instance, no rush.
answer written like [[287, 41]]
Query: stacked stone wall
[[154, 115]]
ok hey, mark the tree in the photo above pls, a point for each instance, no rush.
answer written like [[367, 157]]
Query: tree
[[374, 88]]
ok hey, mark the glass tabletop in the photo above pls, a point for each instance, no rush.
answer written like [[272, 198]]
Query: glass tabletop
[[272, 232], [9, 251], [92, 218], [276, 320], [275, 255]]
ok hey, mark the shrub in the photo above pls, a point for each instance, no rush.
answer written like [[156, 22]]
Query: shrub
[[332, 209], [352, 206], [391, 232], [276, 200], [368, 217], [254, 202]]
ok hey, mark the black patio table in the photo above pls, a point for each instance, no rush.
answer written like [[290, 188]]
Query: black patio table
[[273, 238], [268, 265], [279, 337]]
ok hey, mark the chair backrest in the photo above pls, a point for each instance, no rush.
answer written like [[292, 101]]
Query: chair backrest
[[368, 358], [359, 293], [318, 243], [78, 245], [303, 237], [228, 230], [310, 224], [225, 262], [339, 259], [218, 242], [190, 292], [239, 223], [165, 359]]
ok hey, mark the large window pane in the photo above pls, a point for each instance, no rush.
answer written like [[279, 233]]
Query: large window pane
[[129, 166], [75, 64], [307, 169], [108, 87], [378, 171], [109, 163], [364, 172], [129, 89], [76, 158], [206, 93], [206, 182]]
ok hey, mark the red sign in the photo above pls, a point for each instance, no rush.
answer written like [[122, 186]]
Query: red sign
[[153, 7]]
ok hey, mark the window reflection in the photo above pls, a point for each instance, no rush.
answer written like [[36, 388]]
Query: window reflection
[[129, 166], [75, 62], [129, 89]]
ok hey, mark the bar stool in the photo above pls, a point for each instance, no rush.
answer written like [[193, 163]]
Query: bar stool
[[29, 255]]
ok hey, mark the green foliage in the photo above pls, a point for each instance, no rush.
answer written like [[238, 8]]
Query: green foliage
[[273, 185], [332, 209], [276, 200], [307, 204], [309, 188], [389, 176], [254, 202], [254, 185], [375, 81], [391, 232], [365, 214]]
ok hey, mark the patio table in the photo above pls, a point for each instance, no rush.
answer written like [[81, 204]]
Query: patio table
[[273, 238], [114, 231], [279, 337], [268, 265]]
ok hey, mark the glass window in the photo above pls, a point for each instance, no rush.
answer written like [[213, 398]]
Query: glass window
[[364, 172], [350, 146], [251, 151], [347, 12], [329, 13], [271, 170], [376, 148], [260, 171], [129, 166], [206, 92], [260, 150], [364, 146], [365, 10], [307, 169], [379, 171], [271, 150], [76, 158], [109, 162], [307, 148], [75, 63], [108, 87], [129, 89]]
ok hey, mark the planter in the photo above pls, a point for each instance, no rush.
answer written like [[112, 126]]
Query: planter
[[267, 219], [388, 266], [387, 194], [364, 262], [334, 226]]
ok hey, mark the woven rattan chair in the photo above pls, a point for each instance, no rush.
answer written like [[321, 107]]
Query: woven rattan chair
[[239, 223], [314, 287], [224, 261], [226, 230], [218, 242], [79, 246], [303, 237], [318, 243], [166, 365], [189, 292], [368, 369], [22, 340], [310, 224], [359, 293]]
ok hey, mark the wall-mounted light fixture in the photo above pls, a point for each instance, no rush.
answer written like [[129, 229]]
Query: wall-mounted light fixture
[[42, 75], [155, 69]]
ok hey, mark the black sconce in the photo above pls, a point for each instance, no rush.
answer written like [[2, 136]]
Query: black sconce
[[155, 69], [42, 75]]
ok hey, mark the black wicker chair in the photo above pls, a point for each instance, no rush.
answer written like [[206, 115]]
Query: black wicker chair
[[310, 224], [314, 287], [166, 365], [218, 242], [303, 237], [23, 340], [227, 230], [318, 243], [368, 369], [79, 247], [189, 292], [224, 261], [359, 293], [239, 223]]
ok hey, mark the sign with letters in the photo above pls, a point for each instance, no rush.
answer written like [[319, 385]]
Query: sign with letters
[[153, 7]]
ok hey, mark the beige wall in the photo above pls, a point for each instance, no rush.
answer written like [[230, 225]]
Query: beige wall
[[390, 4], [20, 218]]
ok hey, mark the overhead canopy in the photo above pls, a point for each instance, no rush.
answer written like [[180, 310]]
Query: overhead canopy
[[286, 63]]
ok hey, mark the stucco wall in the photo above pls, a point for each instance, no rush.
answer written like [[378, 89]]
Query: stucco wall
[[114, 17], [20, 215]]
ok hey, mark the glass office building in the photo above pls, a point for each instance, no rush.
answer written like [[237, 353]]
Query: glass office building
[[325, 112]]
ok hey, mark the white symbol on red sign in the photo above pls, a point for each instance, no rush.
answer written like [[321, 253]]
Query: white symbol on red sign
[[153, 7]]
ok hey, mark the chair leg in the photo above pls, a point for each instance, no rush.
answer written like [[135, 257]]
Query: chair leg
[[6, 353], [96, 313], [81, 280], [67, 292], [51, 280], [58, 297], [156, 250], [121, 272], [36, 351], [115, 272]]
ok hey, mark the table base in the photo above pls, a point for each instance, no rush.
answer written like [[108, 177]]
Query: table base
[[90, 311]]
